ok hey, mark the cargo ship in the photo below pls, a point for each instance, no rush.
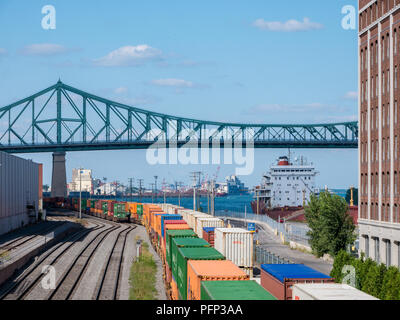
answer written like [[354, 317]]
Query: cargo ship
[[285, 188]]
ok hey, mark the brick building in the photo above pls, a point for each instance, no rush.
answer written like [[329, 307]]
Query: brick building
[[379, 129]]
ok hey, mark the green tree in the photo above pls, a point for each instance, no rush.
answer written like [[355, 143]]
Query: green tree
[[374, 280], [355, 196], [342, 258], [391, 285], [331, 227]]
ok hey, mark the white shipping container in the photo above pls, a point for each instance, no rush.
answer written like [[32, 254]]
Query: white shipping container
[[192, 218], [328, 291], [19, 187], [236, 245], [185, 213], [207, 222]]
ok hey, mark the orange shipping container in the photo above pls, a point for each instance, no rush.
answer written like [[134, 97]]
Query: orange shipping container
[[207, 270], [174, 290]]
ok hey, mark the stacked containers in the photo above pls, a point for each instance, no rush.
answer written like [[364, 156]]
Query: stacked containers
[[236, 245], [173, 222], [188, 242], [170, 235], [200, 270], [175, 233], [280, 278], [164, 218], [193, 216], [234, 290], [110, 212], [208, 235], [120, 211], [139, 210], [207, 222], [179, 269]]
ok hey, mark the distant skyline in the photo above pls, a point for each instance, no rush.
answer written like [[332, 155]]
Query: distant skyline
[[254, 62]]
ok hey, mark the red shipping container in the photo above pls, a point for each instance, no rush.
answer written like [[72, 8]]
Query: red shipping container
[[278, 279]]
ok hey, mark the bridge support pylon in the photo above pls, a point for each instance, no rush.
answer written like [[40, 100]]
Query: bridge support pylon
[[59, 176]]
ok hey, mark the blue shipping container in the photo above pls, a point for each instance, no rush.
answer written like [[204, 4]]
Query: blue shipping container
[[209, 229], [292, 271]]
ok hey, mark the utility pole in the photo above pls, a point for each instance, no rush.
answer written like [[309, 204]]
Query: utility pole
[[130, 188], [152, 192], [155, 185], [140, 189], [195, 176], [80, 193]]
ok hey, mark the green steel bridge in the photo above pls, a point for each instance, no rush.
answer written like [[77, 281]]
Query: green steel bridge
[[62, 118]]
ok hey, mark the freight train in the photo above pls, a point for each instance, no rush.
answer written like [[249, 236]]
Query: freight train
[[192, 268]]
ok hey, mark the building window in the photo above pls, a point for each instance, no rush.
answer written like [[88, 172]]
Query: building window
[[376, 253], [366, 247], [388, 253]]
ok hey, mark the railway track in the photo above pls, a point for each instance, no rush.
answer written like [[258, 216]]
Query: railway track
[[14, 244], [71, 278], [107, 289], [19, 288]]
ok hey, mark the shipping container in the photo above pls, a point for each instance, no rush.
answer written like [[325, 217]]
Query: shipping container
[[168, 217], [278, 279], [207, 222], [120, 211], [179, 268], [172, 222], [236, 245], [175, 233], [202, 270], [19, 191], [174, 290], [234, 290], [193, 216], [209, 235], [328, 291]]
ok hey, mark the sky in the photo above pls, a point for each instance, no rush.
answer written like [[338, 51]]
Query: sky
[[231, 61]]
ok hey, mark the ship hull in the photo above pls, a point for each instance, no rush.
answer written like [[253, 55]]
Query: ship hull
[[274, 213]]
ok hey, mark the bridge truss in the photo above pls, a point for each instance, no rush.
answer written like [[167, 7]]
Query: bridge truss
[[63, 118]]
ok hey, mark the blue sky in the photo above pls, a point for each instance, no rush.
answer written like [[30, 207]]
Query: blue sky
[[236, 61]]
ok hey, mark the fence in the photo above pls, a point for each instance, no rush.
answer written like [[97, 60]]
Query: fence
[[291, 231], [264, 256]]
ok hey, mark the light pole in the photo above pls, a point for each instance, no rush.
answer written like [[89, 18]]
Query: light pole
[[80, 194]]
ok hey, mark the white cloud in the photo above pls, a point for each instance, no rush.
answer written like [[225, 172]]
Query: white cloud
[[288, 26], [179, 83], [43, 49], [121, 90], [352, 95], [129, 56]]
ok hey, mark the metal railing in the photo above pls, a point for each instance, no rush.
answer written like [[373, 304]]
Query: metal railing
[[263, 256], [291, 232]]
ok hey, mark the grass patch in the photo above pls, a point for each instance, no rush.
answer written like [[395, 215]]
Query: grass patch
[[142, 277]]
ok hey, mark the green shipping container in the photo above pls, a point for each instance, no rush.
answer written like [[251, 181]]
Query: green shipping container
[[179, 270], [120, 210], [234, 290], [139, 210], [170, 234], [93, 203], [105, 207], [184, 243]]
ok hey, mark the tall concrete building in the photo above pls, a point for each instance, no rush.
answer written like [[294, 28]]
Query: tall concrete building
[[81, 181], [379, 130]]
